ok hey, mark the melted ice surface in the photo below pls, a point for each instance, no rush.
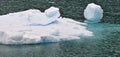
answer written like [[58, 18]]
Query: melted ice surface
[[34, 26]]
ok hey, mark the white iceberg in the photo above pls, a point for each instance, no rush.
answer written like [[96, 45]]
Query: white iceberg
[[93, 13], [34, 26]]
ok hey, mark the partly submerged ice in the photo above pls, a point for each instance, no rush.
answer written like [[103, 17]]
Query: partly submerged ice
[[33, 26], [93, 13]]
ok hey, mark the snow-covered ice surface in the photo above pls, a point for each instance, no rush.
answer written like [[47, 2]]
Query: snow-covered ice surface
[[33, 26], [93, 13]]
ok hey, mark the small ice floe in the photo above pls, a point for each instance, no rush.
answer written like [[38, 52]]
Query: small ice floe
[[93, 13]]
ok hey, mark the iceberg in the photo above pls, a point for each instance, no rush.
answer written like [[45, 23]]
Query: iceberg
[[93, 13], [33, 26]]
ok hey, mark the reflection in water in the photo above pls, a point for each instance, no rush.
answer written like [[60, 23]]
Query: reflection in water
[[42, 50], [104, 43]]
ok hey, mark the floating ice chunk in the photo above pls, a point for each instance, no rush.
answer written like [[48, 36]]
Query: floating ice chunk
[[52, 12], [14, 28], [93, 13]]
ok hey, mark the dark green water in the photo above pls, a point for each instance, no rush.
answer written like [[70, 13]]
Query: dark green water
[[105, 43], [68, 8]]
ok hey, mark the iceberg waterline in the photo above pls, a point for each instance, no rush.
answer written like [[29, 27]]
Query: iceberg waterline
[[33, 26]]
